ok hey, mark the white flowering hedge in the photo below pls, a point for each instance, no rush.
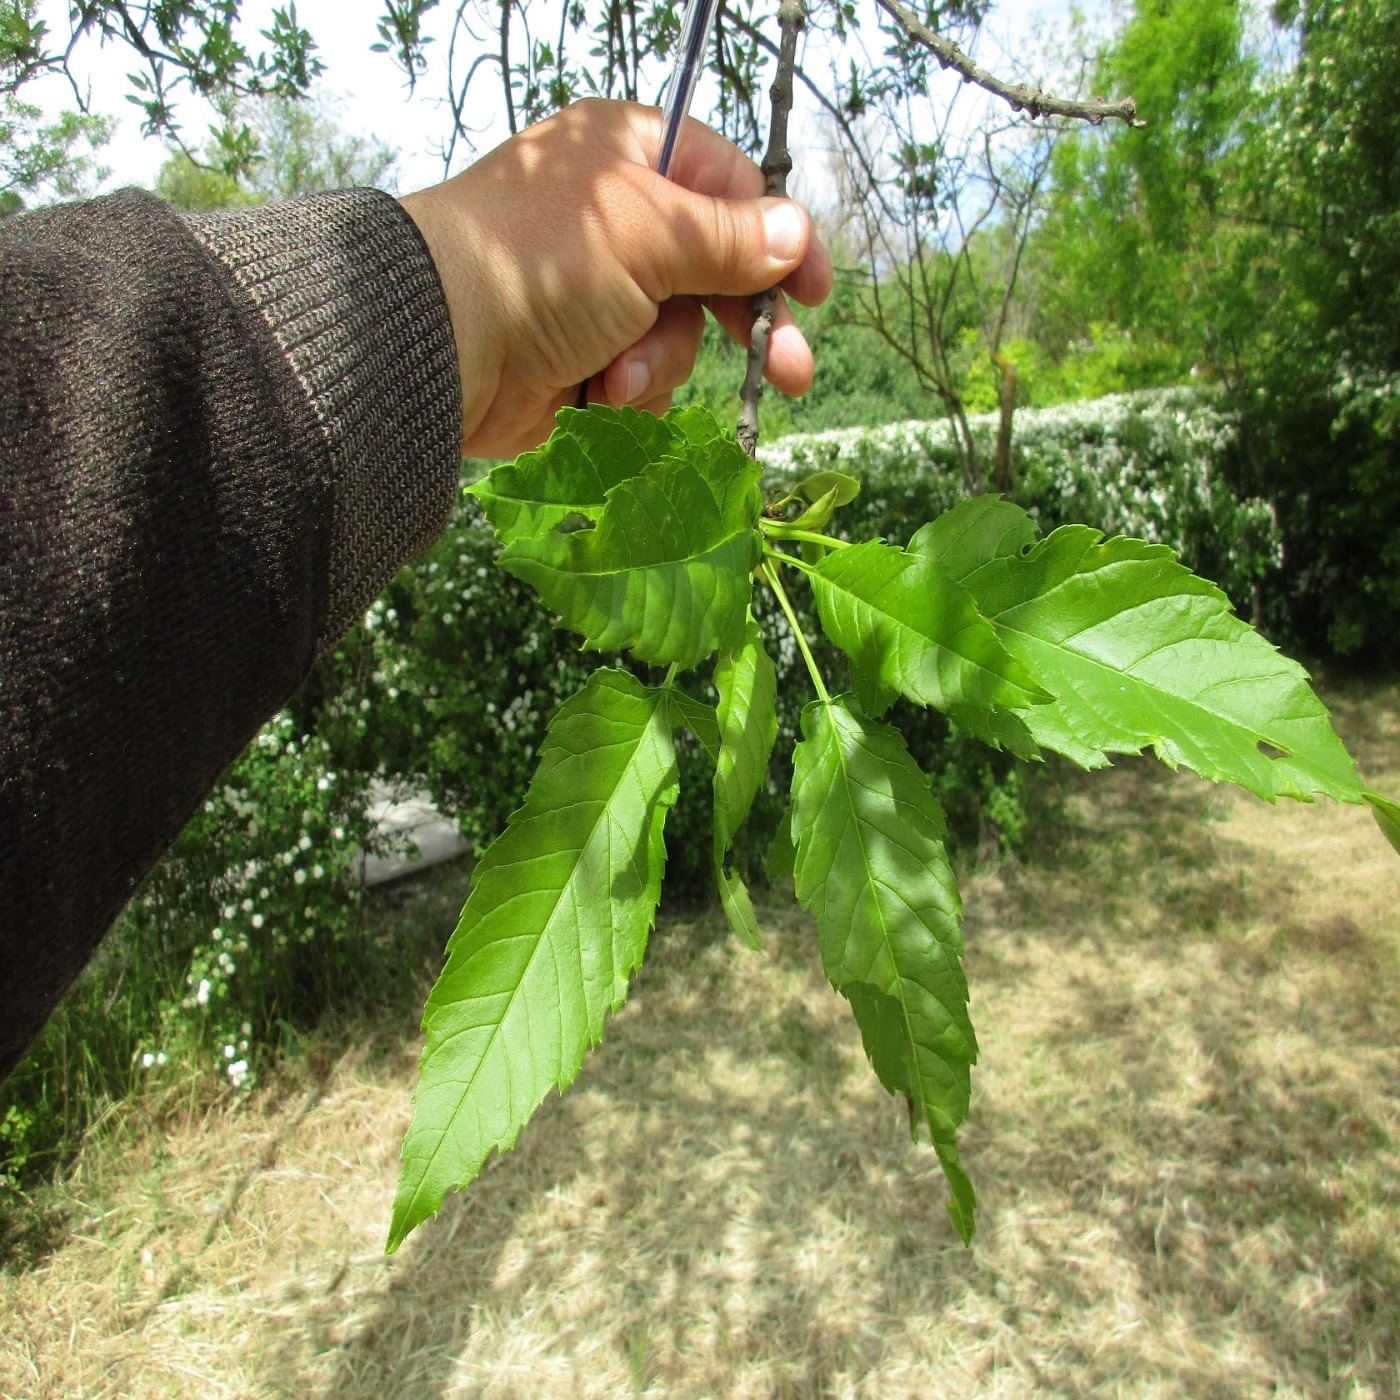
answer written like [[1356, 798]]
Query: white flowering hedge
[[1155, 464]]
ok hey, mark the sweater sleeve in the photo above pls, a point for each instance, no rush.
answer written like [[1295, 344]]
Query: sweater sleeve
[[218, 439]]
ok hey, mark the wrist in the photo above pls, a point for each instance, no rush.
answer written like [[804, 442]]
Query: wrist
[[456, 246]]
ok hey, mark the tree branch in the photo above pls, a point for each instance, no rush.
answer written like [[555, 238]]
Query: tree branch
[[1021, 96], [777, 162]]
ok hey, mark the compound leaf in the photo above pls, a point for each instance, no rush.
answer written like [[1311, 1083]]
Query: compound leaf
[[872, 869], [1139, 652], [909, 629], [667, 571], [556, 922]]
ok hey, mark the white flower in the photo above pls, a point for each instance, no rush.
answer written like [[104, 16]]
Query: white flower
[[201, 995], [299, 877], [257, 921], [246, 1028], [147, 1060], [228, 1052], [238, 1073], [305, 843]]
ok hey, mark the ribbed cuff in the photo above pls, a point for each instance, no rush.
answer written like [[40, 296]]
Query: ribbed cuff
[[350, 292]]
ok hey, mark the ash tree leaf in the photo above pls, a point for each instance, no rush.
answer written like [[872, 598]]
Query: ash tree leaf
[[841, 486], [589, 452], [667, 571], [1139, 652], [747, 682], [911, 630], [872, 869], [555, 924]]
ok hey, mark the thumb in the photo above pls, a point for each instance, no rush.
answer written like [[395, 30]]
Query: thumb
[[729, 247]]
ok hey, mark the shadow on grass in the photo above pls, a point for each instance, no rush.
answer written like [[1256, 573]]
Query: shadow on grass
[[1182, 1146]]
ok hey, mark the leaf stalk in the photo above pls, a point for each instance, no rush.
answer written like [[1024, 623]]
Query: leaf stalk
[[770, 577]]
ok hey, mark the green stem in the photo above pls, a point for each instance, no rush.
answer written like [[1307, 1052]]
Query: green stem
[[777, 531], [671, 675], [770, 577]]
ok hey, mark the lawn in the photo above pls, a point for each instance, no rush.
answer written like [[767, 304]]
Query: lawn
[[1185, 1135]]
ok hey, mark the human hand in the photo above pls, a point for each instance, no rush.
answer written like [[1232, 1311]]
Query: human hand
[[565, 257]]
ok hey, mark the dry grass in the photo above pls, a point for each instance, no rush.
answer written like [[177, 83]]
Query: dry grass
[[1186, 1135]]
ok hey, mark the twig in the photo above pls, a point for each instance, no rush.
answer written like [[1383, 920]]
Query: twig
[[1021, 96], [777, 162]]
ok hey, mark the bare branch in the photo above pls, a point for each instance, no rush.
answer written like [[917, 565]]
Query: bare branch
[[1021, 96], [777, 162]]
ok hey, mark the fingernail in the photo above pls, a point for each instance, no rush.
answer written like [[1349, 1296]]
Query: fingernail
[[783, 225], [638, 380]]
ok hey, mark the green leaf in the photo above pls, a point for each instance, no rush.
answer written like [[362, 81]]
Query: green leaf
[[843, 487], [590, 452], [782, 853], [667, 571], [911, 630], [747, 682], [872, 869], [699, 718], [738, 908], [556, 923], [1387, 815], [827, 492], [815, 517], [1140, 653], [973, 533]]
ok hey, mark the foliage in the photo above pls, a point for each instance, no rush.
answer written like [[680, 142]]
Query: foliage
[[180, 49], [1155, 464], [1325, 415], [296, 147], [47, 159], [1251, 232], [649, 535]]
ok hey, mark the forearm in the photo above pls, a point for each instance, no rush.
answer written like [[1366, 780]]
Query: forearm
[[217, 441]]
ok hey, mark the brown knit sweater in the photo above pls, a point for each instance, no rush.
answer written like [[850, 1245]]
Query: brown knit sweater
[[218, 439]]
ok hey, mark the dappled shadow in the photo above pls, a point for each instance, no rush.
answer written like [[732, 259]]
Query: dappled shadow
[[1182, 1137], [30, 1231]]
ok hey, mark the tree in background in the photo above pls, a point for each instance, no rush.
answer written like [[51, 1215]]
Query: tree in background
[[297, 148], [1139, 235], [1250, 234], [1324, 416]]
